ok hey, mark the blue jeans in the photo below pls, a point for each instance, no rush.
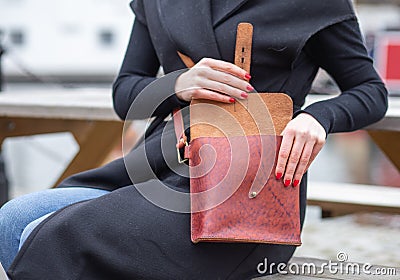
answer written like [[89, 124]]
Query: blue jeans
[[20, 216]]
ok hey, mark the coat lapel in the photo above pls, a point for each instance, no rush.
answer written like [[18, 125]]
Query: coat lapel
[[225, 9], [189, 25]]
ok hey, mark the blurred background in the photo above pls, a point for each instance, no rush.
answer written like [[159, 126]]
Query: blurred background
[[80, 44], [72, 44], [63, 41]]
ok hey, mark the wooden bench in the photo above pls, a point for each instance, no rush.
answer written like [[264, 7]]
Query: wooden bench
[[385, 133], [89, 116], [86, 113], [310, 269], [343, 198], [337, 199]]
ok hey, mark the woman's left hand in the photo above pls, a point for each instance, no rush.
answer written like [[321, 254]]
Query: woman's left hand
[[303, 139]]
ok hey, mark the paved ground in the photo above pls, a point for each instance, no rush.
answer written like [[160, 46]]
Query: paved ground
[[366, 238]]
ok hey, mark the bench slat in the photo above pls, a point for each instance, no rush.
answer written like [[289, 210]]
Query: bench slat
[[79, 104], [354, 194]]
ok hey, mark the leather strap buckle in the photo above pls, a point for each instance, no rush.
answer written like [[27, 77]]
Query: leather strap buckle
[[181, 144]]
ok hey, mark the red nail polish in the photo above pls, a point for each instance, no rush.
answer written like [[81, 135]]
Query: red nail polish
[[250, 88], [287, 183], [244, 95], [248, 76], [279, 176], [296, 183], [232, 100]]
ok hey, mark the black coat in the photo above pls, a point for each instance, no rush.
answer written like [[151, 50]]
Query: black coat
[[122, 235]]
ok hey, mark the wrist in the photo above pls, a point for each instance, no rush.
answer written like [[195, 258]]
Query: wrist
[[180, 89], [322, 121], [310, 119]]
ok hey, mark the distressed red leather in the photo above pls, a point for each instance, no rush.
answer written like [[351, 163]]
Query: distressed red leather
[[224, 172]]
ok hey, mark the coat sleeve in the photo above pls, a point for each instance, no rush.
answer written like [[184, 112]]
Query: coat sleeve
[[339, 49], [139, 70]]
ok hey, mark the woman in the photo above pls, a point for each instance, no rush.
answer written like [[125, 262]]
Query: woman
[[122, 235]]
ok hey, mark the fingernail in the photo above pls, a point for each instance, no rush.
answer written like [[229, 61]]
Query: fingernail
[[296, 183], [250, 88], [244, 95], [232, 100], [247, 76], [279, 176], [287, 183]]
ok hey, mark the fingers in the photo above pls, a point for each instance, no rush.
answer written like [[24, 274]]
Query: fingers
[[317, 148], [293, 160], [225, 88], [310, 152], [211, 77], [295, 156], [284, 153], [224, 67], [303, 163], [202, 93], [223, 77], [303, 139]]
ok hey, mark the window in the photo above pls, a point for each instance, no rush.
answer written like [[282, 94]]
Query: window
[[106, 38], [17, 37]]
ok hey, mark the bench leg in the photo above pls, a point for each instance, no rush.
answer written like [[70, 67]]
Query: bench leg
[[95, 138], [96, 142], [388, 142], [326, 214]]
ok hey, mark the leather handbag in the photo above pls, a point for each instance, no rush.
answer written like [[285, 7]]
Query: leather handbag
[[232, 156]]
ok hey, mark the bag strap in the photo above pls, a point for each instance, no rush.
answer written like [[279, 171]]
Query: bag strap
[[186, 60], [244, 42]]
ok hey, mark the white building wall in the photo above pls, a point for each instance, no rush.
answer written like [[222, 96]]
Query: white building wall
[[62, 37], [376, 18]]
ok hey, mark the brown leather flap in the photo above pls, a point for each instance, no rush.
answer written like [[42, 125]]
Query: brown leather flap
[[260, 114]]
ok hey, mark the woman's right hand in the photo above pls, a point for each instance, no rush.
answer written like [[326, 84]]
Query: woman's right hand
[[214, 80]]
